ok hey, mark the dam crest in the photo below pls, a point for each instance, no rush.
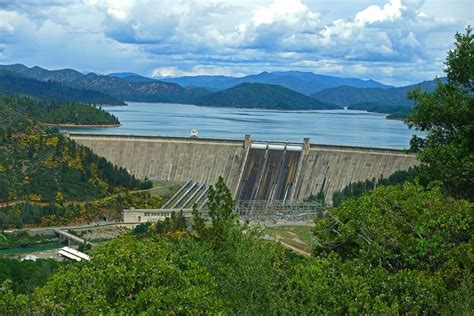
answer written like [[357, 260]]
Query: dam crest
[[253, 170]]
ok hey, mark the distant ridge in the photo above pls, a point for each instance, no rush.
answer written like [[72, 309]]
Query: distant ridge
[[302, 82], [263, 96], [13, 83], [392, 100], [122, 89], [131, 77]]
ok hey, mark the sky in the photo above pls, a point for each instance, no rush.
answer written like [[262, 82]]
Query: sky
[[393, 41]]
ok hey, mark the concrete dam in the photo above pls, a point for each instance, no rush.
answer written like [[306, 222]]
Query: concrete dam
[[252, 170]]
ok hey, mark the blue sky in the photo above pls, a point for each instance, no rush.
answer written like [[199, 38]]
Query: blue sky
[[393, 41]]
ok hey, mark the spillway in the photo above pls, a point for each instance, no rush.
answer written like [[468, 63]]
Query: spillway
[[269, 172]]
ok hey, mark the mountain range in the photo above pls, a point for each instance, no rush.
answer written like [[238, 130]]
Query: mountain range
[[302, 82], [291, 90], [13, 83]]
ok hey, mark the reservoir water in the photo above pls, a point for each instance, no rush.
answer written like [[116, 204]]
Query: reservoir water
[[336, 127]]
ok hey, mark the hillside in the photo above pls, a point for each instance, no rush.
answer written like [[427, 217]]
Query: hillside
[[136, 89], [39, 165], [263, 96], [66, 114], [14, 83], [393, 100], [302, 82]]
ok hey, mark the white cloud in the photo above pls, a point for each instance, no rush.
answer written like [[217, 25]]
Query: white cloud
[[390, 40], [373, 13]]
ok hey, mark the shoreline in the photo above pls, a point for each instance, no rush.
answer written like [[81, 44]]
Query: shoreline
[[82, 125]]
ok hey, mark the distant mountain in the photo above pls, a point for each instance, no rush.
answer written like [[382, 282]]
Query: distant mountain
[[122, 89], [303, 82], [131, 77], [15, 83], [393, 100], [263, 96]]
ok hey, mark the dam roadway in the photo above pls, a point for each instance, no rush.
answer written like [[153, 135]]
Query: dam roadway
[[251, 170]]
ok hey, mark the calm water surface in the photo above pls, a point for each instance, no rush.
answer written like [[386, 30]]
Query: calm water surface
[[337, 127]]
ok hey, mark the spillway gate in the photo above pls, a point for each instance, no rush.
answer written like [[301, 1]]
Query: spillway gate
[[270, 172]]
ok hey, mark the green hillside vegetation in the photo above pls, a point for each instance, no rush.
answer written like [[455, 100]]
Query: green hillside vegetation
[[263, 96], [27, 275], [11, 83], [63, 113], [62, 212], [420, 262], [393, 101], [358, 188], [37, 164]]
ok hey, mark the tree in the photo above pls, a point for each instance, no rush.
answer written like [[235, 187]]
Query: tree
[[131, 276], [220, 203], [396, 227], [447, 116], [460, 61]]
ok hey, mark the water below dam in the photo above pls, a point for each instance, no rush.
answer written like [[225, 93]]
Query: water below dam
[[335, 127]]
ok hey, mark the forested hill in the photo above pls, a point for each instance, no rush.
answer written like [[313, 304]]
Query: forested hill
[[263, 96], [12, 83], [392, 100], [63, 113], [38, 164]]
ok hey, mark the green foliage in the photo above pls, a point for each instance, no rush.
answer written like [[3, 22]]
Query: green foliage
[[172, 224], [447, 116], [401, 249], [358, 188], [131, 276], [336, 287], [66, 113], [11, 304], [23, 239], [27, 275], [18, 109], [264, 96], [221, 212], [37, 163], [460, 61], [54, 214], [396, 227], [40, 165]]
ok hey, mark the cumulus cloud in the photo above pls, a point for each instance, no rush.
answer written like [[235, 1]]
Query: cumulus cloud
[[396, 41]]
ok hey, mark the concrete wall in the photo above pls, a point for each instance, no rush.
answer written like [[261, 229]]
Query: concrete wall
[[334, 167], [180, 159], [170, 158]]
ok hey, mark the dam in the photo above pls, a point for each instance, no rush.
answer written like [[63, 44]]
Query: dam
[[272, 171]]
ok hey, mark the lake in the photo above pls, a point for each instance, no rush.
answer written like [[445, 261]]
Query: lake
[[336, 127]]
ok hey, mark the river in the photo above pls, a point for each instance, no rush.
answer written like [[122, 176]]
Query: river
[[336, 127]]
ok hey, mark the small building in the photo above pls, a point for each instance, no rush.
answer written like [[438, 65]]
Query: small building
[[145, 215]]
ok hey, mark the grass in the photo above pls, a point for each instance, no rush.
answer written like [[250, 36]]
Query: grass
[[161, 188], [296, 236]]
